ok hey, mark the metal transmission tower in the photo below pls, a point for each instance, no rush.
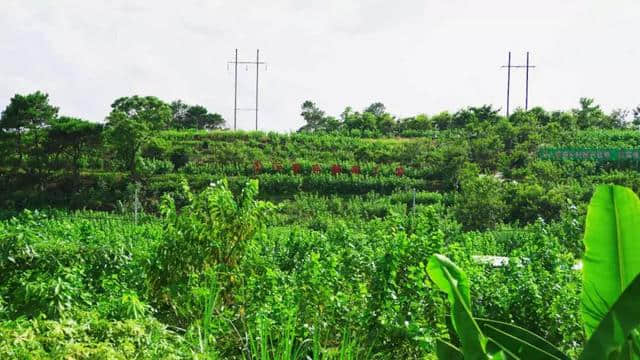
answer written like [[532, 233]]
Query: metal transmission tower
[[235, 62], [509, 67]]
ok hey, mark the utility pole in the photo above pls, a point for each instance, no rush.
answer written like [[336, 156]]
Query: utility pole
[[509, 67], [257, 63], [258, 71], [508, 81], [526, 96], [235, 93]]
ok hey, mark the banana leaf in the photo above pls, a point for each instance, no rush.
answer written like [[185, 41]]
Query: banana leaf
[[520, 342], [612, 251], [615, 337], [447, 351], [450, 279]]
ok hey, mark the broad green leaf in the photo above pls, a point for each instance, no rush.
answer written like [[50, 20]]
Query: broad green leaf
[[435, 269], [446, 351], [611, 339], [519, 341], [453, 281], [499, 356], [501, 353], [612, 251], [635, 341]]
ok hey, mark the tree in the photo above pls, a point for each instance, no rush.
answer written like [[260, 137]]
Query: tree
[[566, 120], [589, 114], [442, 120], [73, 137], [147, 109], [543, 117], [618, 118], [376, 117], [378, 109], [200, 118], [480, 204], [313, 116], [179, 111], [194, 117], [386, 123], [27, 113], [636, 117], [211, 232], [131, 123], [473, 115], [420, 122]]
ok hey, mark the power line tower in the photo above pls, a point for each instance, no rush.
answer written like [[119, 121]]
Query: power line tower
[[235, 62], [509, 67]]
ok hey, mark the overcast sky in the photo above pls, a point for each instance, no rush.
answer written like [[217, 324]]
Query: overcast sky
[[414, 56]]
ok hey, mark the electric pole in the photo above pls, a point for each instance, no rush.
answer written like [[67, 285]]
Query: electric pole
[[258, 72], [509, 67], [257, 63], [235, 93], [526, 96], [508, 81]]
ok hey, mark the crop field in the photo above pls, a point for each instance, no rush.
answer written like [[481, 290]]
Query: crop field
[[344, 244]]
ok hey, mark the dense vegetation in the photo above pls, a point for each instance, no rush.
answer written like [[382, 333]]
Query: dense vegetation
[[153, 236]]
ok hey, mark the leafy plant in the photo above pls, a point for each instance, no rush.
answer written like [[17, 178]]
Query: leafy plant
[[609, 302], [210, 233]]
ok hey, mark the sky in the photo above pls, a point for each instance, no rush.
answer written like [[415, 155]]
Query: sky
[[413, 56]]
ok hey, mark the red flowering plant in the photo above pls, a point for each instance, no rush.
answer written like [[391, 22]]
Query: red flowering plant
[[257, 167]]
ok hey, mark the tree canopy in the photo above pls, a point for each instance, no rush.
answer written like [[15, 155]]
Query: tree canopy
[[72, 137], [194, 117], [130, 123]]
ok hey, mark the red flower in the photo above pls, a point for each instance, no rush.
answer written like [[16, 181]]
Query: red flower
[[297, 169], [335, 169], [315, 168], [257, 167], [355, 169], [399, 171]]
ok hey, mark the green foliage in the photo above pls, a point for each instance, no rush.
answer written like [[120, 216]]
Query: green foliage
[[611, 242], [194, 117], [609, 301], [610, 267], [339, 269], [27, 115], [73, 137], [179, 158], [480, 204], [130, 124], [448, 277], [157, 148], [27, 112], [89, 336], [210, 232]]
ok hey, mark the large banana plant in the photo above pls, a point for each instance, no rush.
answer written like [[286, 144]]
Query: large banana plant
[[610, 301]]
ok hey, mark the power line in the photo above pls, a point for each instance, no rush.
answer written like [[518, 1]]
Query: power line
[[235, 62], [509, 67]]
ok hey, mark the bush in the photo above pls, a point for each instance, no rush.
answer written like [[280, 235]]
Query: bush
[[157, 148], [179, 158]]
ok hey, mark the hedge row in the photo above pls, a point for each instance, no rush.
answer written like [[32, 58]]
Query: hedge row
[[306, 168]]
